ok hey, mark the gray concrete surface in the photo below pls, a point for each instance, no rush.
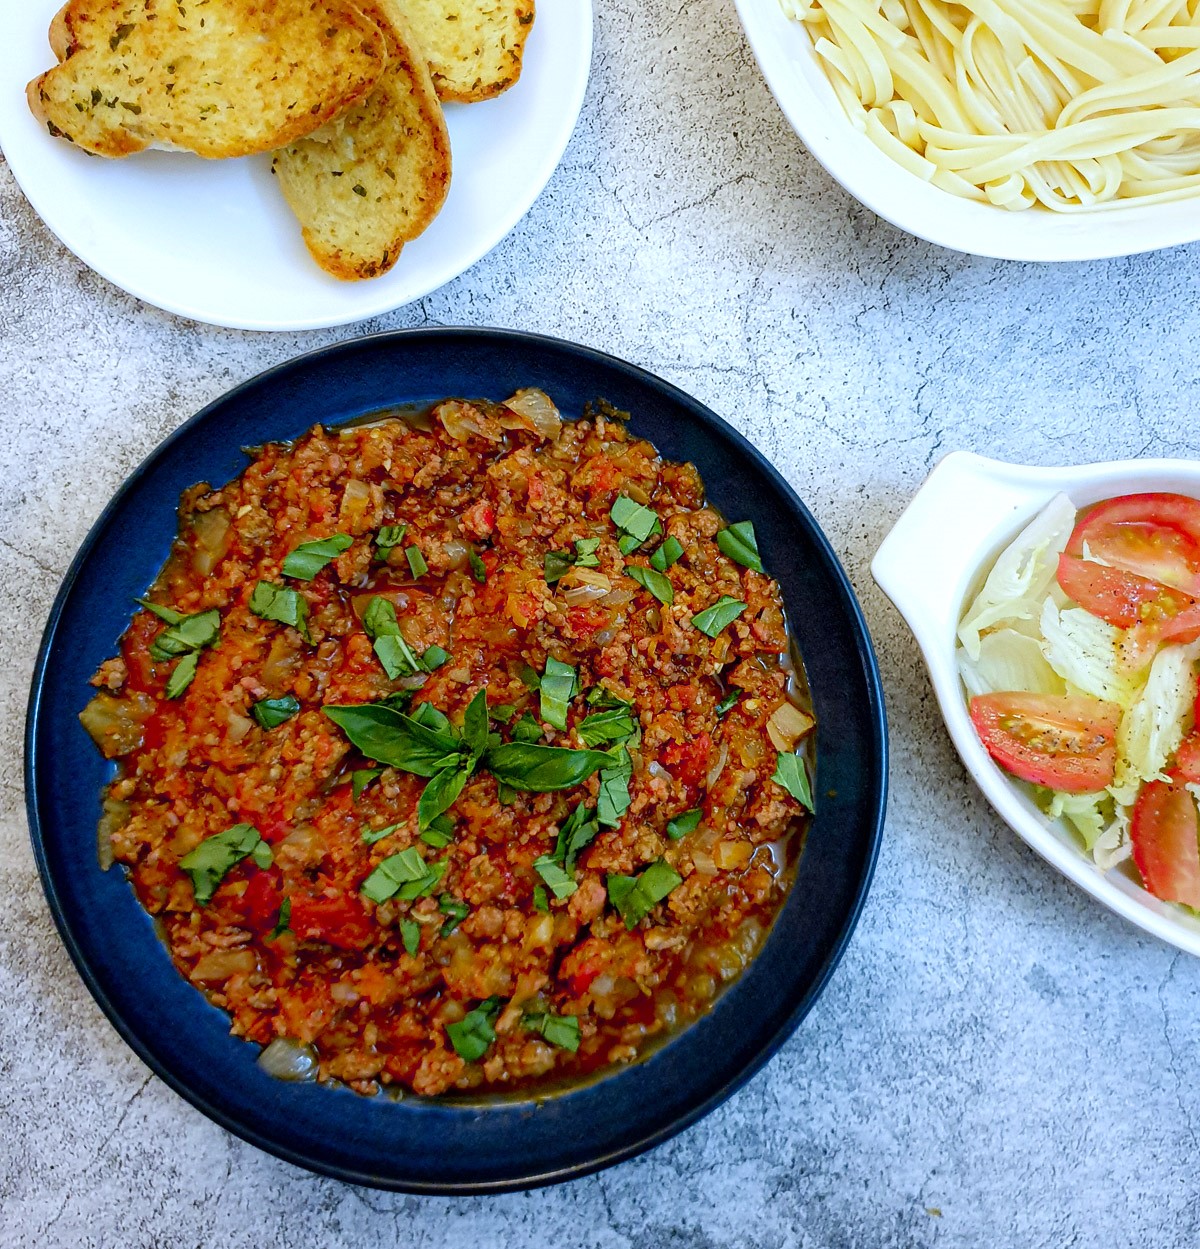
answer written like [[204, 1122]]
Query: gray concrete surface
[[997, 1061]]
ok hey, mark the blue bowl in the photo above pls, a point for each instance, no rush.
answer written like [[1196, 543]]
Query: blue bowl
[[418, 1145]]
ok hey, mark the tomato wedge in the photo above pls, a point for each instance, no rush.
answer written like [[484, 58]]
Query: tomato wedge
[[1164, 834], [1187, 759], [1122, 598], [1065, 742], [1156, 536]]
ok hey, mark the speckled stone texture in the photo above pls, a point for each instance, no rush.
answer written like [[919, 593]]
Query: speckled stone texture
[[997, 1060]]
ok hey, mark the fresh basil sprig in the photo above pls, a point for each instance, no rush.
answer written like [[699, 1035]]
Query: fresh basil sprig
[[305, 561], [542, 769], [392, 738], [790, 773], [636, 896], [473, 1035]]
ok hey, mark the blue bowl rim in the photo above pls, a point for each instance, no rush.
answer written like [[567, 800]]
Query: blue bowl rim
[[877, 724]]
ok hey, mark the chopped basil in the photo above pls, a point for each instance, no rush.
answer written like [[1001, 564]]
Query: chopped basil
[[728, 703], [555, 564], [502, 713], [410, 934], [473, 1034], [372, 835], [656, 582], [598, 696], [428, 715], [361, 778], [273, 602], [740, 544], [436, 836], [416, 562], [585, 553], [578, 831], [426, 885], [478, 567], [455, 912], [186, 635], [272, 712], [442, 791], [395, 655], [542, 769], [405, 875], [182, 674], [505, 794], [309, 558], [434, 657], [632, 518], [527, 729], [541, 900], [557, 689], [443, 825], [791, 774], [392, 738], [285, 918], [208, 863], [723, 612], [614, 797], [667, 555], [379, 618], [627, 544], [636, 896], [390, 536], [606, 726], [683, 824], [475, 725], [169, 614], [530, 677], [560, 1030], [559, 882]]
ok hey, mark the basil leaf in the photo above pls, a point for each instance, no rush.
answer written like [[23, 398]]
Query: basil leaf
[[627, 544], [433, 658], [560, 883], [428, 715], [502, 713], [542, 769], [636, 896], [435, 837], [455, 912], [182, 674], [728, 702], [478, 567], [606, 726], [505, 794], [272, 712], [189, 633], [426, 885], [683, 824], [442, 824], [558, 686], [395, 739], [667, 555], [527, 729], [393, 873], [791, 774], [284, 920], [541, 901], [372, 835], [723, 612], [361, 778], [555, 564], [740, 544], [442, 792], [216, 855], [633, 518], [472, 1035], [475, 724], [598, 696], [394, 653], [614, 798], [578, 832], [273, 602], [416, 562], [530, 677], [306, 560], [390, 536], [655, 582], [410, 934], [585, 553], [379, 618], [169, 614], [560, 1030]]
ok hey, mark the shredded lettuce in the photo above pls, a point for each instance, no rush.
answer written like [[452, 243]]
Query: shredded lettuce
[[1008, 660], [1021, 576], [1113, 845], [1088, 814], [1082, 649]]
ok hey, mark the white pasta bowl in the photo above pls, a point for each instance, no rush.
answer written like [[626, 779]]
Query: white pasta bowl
[[936, 555], [797, 79]]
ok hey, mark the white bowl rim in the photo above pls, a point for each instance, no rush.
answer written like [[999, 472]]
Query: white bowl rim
[[954, 557], [796, 78]]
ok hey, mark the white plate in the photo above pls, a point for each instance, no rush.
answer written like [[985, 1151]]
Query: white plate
[[797, 80], [214, 240]]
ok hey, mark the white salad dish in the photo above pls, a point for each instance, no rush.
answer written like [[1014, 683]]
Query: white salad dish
[[215, 241], [968, 510], [799, 83]]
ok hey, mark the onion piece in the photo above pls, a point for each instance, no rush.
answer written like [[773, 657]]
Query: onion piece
[[115, 724], [583, 585], [536, 411], [214, 534], [787, 725], [464, 421], [718, 766], [221, 964], [114, 818], [288, 1059], [457, 553], [356, 499]]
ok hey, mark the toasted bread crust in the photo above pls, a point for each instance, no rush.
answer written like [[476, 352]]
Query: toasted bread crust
[[374, 179], [224, 79], [475, 47]]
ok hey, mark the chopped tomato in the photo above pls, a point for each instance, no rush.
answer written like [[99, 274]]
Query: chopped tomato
[[1156, 536], [480, 519], [259, 904], [1187, 759], [1065, 742], [584, 621], [135, 650], [1164, 835], [688, 761], [1122, 598], [340, 922]]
